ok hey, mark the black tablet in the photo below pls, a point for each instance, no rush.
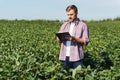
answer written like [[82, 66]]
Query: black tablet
[[62, 36]]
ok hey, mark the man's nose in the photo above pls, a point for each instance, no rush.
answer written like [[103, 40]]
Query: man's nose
[[69, 16]]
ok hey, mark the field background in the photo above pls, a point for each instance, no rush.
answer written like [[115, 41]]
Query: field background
[[29, 51]]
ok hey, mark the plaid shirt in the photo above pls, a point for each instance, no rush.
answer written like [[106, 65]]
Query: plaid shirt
[[76, 49]]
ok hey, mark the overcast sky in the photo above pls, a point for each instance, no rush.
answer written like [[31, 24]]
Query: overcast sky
[[55, 9]]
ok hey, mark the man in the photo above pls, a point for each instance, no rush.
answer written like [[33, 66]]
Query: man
[[71, 53]]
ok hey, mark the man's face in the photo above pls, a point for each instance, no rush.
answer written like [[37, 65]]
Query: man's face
[[72, 16]]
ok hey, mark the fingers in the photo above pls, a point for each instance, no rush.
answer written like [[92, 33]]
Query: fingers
[[68, 38]]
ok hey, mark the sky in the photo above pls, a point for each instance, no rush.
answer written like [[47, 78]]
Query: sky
[[55, 9]]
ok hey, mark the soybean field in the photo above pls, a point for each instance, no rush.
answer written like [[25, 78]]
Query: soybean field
[[29, 51]]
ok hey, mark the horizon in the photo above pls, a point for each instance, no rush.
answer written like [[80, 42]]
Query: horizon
[[62, 20]]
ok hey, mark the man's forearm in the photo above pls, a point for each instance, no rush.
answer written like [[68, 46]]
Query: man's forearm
[[77, 39]]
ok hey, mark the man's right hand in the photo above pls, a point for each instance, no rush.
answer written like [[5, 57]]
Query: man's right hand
[[58, 40]]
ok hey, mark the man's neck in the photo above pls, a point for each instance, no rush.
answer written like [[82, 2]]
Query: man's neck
[[75, 20]]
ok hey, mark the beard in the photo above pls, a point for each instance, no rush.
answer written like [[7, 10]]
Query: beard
[[72, 19]]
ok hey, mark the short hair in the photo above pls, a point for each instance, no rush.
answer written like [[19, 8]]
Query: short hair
[[72, 7]]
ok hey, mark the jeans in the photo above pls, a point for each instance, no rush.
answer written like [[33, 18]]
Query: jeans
[[73, 65]]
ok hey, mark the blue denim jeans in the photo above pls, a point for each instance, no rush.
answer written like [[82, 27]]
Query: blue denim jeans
[[73, 65]]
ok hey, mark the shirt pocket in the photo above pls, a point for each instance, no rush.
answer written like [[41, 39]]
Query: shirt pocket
[[79, 32]]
